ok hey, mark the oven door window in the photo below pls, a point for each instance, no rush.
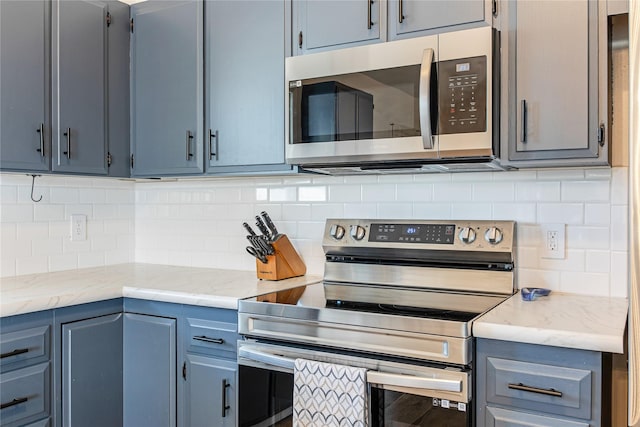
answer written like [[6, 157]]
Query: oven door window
[[266, 399]]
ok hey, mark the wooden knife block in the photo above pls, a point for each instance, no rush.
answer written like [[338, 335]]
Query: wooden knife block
[[283, 264]]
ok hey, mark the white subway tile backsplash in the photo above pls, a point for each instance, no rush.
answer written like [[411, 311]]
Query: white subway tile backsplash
[[566, 213], [198, 222], [535, 191], [395, 210], [378, 192], [471, 210], [452, 192], [597, 214], [589, 191], [46, 212], [493, 192], [345, 193]]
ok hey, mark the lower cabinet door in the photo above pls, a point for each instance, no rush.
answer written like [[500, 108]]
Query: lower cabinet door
[[210, 391], [149, 371], [92, 372], [498, 417]]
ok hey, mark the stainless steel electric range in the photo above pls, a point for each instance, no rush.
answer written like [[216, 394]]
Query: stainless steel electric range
[[399, 297]]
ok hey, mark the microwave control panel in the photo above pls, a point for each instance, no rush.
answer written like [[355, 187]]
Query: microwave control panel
[[462, 95]]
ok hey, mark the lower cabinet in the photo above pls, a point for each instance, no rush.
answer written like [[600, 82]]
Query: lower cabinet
[[149, 370], [92, 372], [132, 363], [210, 390], [533, 385]]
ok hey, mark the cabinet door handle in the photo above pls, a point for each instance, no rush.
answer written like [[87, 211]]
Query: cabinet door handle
[[225, 407], [14, 402], [213, 152], [68, 135], [369, 22], [188, 144], [205, 338], [400, 12], [546, 391], [40, 130], [14, 352], [523, 121]]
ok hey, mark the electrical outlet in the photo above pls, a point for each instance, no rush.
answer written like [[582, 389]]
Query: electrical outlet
[[78, 227], [552, 241]]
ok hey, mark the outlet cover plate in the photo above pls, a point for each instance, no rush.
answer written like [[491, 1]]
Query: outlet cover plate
[[552, 239], [78, 227]]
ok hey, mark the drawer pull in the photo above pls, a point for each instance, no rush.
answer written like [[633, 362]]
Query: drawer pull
[[547, 391], [14, 352], [209, 340], [14, 402]]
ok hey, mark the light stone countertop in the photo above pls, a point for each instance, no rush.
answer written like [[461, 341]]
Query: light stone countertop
[[185, 285], [561, 320]]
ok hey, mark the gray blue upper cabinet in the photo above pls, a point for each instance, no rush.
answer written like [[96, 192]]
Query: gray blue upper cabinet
[[167, 88], [77, 51], [332, 24], [24, 60], [244, 85], [413, 18], [556, 96]]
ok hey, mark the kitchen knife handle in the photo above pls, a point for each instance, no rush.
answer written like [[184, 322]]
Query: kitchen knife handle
[[40, 130], [269, 223], [400, 12], [523, 121], [213, 153], [249, 229], [262, 227], [369, 22], [188, 139], [68, 135]]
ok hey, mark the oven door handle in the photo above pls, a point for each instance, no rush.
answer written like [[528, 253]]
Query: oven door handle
[[373, 377], [266, 358], [412, 381]]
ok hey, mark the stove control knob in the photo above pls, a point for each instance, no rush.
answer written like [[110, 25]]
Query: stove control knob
[[357, 232], [467, 235], [493, 235], [337, 231]]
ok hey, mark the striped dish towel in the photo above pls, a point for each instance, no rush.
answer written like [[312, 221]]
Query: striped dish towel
[[329, 395]]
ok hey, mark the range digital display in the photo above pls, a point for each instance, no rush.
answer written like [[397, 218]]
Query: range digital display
[[413, 233]]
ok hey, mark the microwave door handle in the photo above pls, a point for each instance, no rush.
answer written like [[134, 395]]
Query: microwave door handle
[[411, 381], [425, 99], [266, 358]]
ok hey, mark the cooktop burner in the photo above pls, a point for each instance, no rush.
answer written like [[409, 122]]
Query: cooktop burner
[[401, 310]]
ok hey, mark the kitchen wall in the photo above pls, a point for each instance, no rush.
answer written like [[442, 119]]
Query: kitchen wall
[[198, 222], [35, 237]]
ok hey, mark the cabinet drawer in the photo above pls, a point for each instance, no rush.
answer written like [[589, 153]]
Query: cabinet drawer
[[25, 347], [540, 387], [25, 395], [41, 423], [498, 417], [212, 338]]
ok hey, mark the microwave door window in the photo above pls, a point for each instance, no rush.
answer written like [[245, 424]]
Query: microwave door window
[[361, 106]]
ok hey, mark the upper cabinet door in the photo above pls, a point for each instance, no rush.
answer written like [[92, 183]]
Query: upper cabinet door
[[79, 86], [412, 18], [24, 59], [244, 63], [555, 100], [166, 87], [330, 24]]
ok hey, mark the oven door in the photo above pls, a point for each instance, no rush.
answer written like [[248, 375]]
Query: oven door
[[400, 393]]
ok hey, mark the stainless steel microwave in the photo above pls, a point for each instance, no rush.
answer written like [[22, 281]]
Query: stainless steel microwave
[[411, 105]]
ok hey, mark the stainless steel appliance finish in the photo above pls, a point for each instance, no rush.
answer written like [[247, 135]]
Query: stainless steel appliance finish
[[399, 297], [418, 105], [402, 288]]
